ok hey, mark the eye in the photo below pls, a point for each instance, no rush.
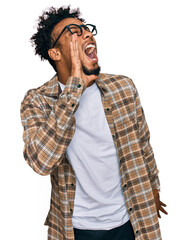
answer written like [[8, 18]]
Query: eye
[[87, 29], [74, 29]]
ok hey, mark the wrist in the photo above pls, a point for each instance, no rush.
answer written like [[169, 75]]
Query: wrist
[[155, 192]]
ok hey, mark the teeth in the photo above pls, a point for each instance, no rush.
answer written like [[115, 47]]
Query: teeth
[[91, 49], [90, 46]]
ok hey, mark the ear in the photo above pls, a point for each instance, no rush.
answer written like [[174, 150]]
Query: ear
[[54, 54]]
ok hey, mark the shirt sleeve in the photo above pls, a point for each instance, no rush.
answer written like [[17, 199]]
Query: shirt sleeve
[[46, 137], [147, 151]]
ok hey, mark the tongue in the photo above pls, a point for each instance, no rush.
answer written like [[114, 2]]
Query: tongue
[[87, 51], [92, 55]]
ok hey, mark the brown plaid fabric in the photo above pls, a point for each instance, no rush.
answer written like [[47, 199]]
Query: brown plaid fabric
[[49, 124]]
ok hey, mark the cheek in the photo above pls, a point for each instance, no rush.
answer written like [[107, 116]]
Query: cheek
[[81, 51], [65, 49], [66, 45]]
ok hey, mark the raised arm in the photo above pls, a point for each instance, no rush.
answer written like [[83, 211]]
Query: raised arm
[[47, 137]]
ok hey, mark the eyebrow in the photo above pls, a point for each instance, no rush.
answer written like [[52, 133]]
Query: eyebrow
[[72, 26], [66, 30]]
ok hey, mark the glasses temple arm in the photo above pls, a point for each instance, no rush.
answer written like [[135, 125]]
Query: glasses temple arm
[[58, 37]]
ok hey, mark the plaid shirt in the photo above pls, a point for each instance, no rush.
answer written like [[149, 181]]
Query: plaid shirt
[[49, 124]]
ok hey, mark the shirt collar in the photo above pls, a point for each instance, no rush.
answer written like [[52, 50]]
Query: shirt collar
[[102, 83], [53, 89]]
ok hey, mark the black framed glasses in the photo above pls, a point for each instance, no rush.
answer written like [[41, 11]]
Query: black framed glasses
[[74, 28]]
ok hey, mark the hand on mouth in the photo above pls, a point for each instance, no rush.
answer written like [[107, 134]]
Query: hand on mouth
[[90, 52]]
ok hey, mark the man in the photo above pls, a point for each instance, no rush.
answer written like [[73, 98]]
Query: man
[[88, 131]]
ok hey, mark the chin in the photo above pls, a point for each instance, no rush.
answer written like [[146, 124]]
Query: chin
[[89, 71]]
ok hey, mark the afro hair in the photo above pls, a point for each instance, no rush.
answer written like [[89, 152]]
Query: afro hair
[[42, 40]]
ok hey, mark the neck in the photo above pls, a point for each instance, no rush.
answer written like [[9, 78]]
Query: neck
[[63, 74], [62, 77]]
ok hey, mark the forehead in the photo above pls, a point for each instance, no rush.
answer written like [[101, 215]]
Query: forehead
[[59, 26]]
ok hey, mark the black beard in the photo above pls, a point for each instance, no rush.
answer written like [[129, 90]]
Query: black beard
[[91, 72]]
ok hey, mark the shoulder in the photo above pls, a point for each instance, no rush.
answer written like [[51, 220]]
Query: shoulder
[[33, 95], [118, 81]]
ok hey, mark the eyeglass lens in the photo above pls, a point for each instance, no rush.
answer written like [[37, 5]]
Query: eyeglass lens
[[74, 28], [77, 29]]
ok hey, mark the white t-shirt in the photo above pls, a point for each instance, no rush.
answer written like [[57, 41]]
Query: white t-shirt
[[99, 202]]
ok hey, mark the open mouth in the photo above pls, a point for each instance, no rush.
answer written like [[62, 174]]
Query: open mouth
[[90, 52]]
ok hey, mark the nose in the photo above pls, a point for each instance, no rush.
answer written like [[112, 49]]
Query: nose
[[86, 34]]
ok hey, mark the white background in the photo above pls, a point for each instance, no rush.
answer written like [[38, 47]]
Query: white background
[[146, 40]]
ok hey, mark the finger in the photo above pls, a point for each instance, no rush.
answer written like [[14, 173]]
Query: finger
[[158, 214], [163, 204], [162, 210], [75, 48], [76, 44], [76, 63], [92, 77], [71, 50], [72, 43], [74, 55]]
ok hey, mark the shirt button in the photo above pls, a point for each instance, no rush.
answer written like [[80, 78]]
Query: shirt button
[[72, 184], [125, 185], [130, 209], [113, 136], [71, 210], [137, 232], [108, 109], [73, 105], [79, 85]]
